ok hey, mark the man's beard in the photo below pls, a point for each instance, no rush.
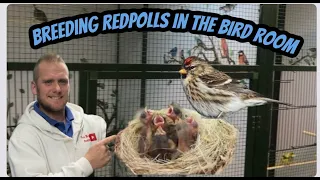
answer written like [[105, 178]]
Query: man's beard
[[48, 108]]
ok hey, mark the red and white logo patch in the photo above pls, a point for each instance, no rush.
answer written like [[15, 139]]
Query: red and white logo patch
[[92, 137], [89, 137]]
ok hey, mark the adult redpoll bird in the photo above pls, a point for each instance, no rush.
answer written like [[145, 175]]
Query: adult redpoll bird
[[213, 93]]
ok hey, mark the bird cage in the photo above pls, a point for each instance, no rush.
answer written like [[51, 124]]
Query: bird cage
[[115, 74]]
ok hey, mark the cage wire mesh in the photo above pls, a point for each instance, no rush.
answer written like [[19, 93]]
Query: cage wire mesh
[[294, 19], [158, 94], [169, 47], [303, 159], [161, 92], [124, 48], [293, 131], [95, 49], [118, 99]]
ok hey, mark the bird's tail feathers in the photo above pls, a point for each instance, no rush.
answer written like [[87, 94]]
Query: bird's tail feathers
[[276, 101], [287, 104]]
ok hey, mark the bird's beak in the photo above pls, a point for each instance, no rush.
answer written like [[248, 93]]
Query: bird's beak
[[183, 71]]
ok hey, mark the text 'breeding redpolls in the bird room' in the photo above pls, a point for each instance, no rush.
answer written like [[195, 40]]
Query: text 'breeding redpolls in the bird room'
[[196, 22]]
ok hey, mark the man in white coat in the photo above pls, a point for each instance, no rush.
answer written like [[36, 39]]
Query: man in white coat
[[55, 137]]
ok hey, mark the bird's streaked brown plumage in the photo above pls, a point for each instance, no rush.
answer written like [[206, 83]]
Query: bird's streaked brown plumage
[[212, 92]]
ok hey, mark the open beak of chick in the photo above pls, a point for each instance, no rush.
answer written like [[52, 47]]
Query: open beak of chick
[[158, 121], [171, 113]]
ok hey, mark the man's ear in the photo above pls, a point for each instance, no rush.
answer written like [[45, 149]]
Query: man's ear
[[34, 88]]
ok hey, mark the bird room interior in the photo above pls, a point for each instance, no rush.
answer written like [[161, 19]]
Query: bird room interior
[[117, 75]]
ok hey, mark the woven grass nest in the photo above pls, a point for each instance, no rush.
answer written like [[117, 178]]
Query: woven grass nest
[[210, 154]]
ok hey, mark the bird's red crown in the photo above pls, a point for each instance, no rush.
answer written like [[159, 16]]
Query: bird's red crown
[[188, 60]]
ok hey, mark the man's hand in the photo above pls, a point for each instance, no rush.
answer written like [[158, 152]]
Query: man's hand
[[99, 155]]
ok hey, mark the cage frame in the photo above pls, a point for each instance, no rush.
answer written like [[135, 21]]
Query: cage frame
[[261, 121]]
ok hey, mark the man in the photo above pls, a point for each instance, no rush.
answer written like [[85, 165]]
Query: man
[[55, 137]]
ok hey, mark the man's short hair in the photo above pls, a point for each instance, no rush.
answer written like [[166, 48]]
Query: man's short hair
[[48, 57]]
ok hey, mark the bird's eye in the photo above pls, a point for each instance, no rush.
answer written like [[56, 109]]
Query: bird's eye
[[191, 67]]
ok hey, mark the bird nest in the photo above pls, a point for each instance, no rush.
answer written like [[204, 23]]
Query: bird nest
[[210, 154]]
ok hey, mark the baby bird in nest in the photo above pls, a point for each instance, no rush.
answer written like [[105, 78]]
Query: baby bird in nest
[[172, 116], [187, 132], [146, 117], [167, 133], [161, 146]]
